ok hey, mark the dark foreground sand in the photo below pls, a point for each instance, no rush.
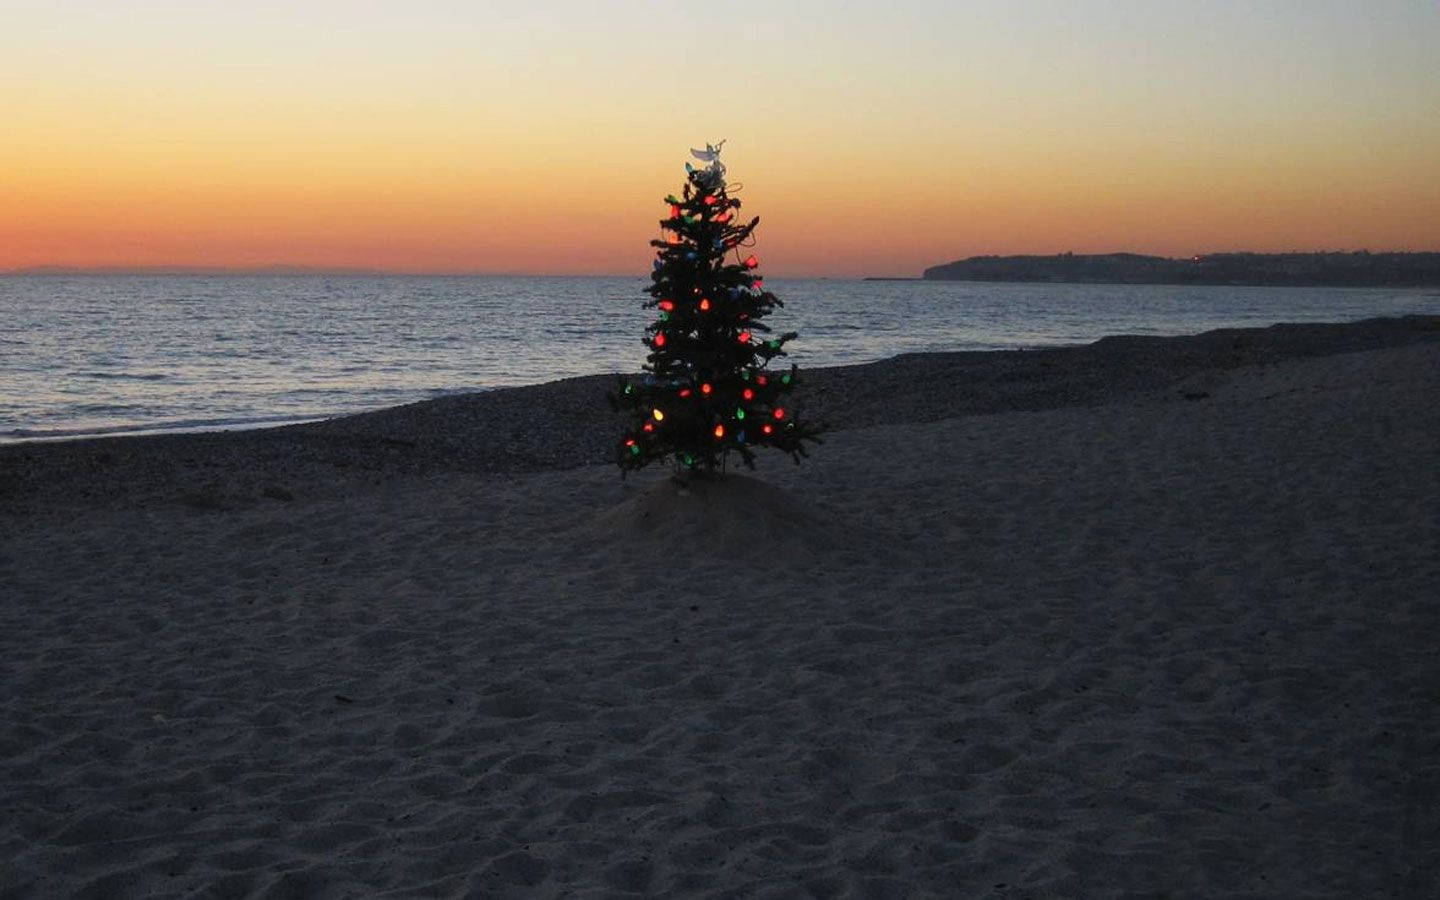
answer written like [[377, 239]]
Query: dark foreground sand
[[1145, 618]]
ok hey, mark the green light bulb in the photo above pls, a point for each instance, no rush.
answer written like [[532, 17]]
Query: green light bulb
[[785, 379], [739, 413]]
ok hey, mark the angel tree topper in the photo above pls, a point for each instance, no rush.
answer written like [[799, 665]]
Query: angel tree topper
[[708, 388], [713, 174]]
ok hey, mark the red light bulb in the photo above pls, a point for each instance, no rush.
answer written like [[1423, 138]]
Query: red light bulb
[[684, 392], [723, 218], [760, 380], [666, 305], [751, 262], [758, 283], [779, 413], [710, 200], [649, 426], [748, 394], [674, 211], [660, 339], [766, 428], [744, 337]]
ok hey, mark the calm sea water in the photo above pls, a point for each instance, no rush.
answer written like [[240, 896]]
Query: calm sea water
[[105, 354]]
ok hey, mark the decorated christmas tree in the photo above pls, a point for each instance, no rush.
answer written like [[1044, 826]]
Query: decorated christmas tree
[[708, 389]]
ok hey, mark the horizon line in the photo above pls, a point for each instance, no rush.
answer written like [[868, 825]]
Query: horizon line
[[366, 271]]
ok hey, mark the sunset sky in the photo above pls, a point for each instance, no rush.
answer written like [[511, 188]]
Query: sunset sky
[[871, 138]]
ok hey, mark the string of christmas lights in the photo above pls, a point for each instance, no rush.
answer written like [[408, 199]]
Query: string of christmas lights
[[708, 390]]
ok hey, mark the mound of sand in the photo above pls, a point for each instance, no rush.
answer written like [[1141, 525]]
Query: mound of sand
[[729, 515]]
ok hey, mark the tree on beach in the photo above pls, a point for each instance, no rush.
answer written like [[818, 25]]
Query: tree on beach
[[707, 388]]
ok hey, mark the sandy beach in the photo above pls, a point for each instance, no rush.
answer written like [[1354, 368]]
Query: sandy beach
[[1149, 617]]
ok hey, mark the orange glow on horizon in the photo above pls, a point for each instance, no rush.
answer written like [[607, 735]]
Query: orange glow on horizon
[[168, 134]]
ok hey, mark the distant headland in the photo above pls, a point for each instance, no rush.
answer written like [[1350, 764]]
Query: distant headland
[[1359, 269]]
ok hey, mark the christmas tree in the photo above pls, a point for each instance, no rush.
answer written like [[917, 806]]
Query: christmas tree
[[708, 389]]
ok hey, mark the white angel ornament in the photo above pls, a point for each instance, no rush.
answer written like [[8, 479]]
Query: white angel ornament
[[713, 174]]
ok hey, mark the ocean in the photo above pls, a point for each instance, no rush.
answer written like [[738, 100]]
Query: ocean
[[92, 354]]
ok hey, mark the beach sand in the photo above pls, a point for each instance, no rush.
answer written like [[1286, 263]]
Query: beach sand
[[1154, 617]]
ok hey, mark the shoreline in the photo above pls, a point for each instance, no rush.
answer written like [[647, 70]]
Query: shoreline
[[1144, 617], [566, 423]]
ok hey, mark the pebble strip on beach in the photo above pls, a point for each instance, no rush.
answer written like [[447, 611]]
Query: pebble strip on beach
[[564, 424]]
